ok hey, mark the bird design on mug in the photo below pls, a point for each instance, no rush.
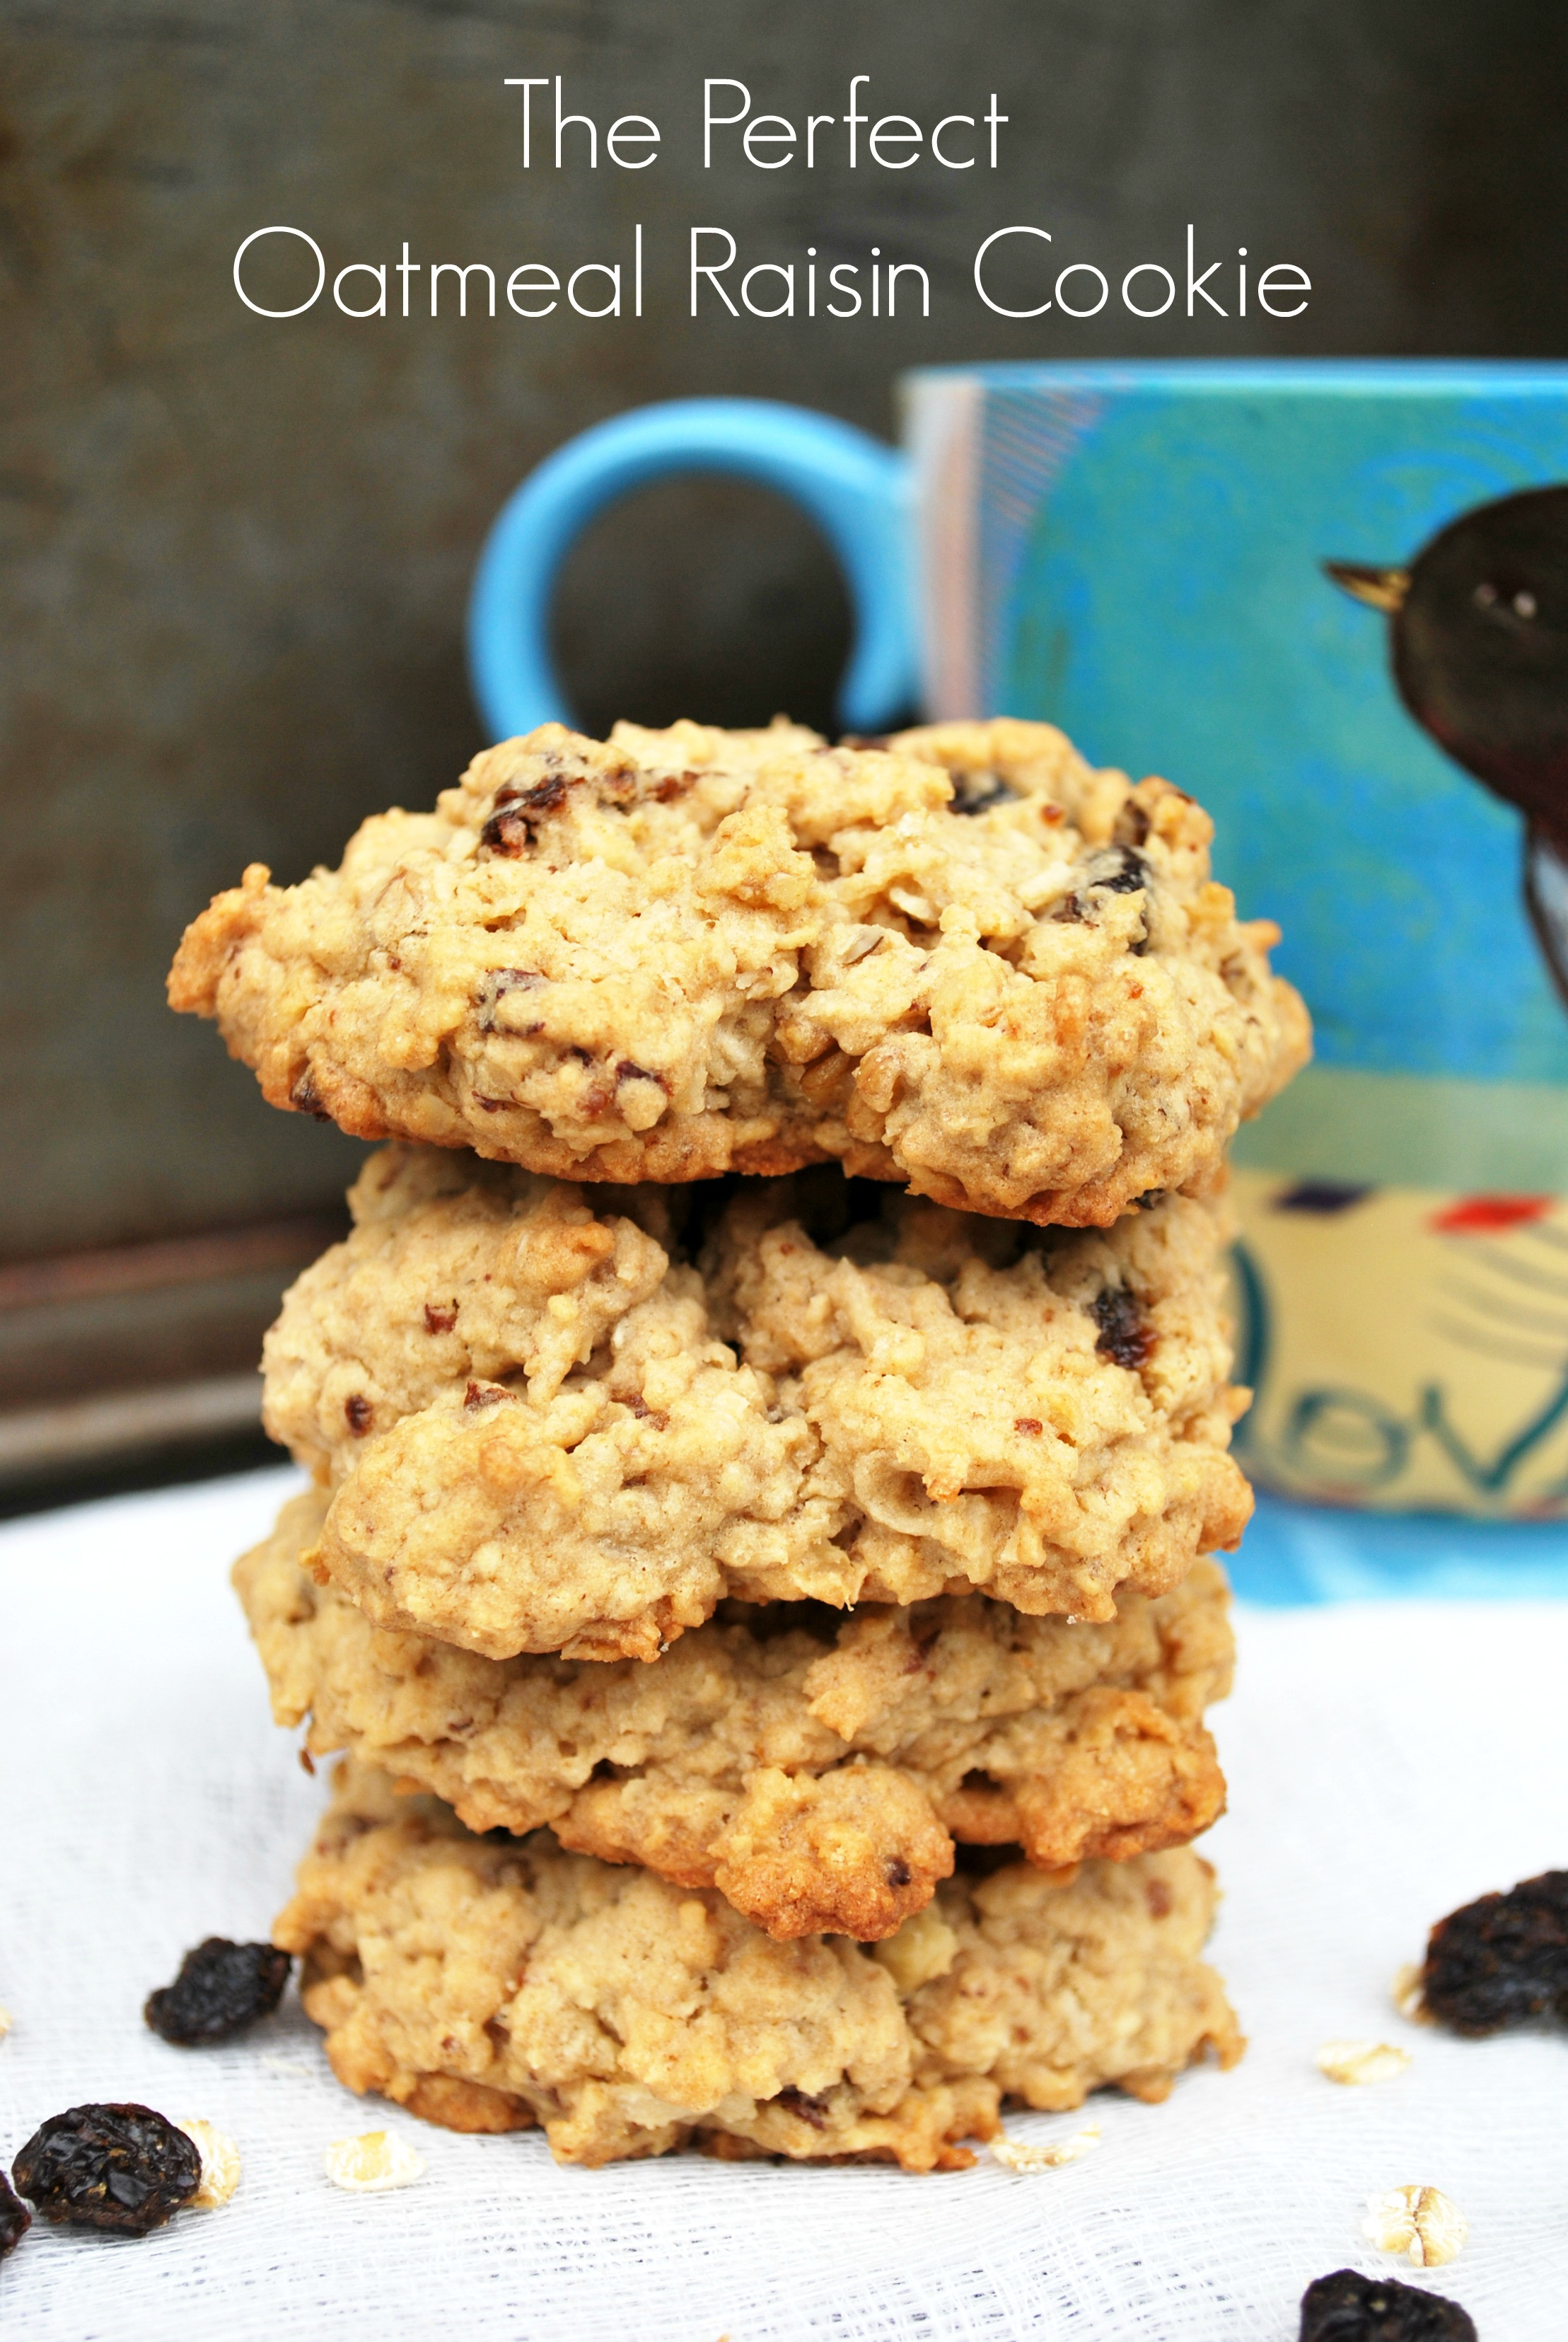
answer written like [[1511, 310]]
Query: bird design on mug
[[1478, 640]]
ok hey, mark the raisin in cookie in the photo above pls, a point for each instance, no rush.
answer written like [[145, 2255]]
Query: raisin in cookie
[[548, 1428], [814, 1769], [491, 1984], [963, 961]]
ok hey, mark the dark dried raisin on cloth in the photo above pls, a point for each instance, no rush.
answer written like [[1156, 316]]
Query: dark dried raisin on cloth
[[1501, 1960], [1349, 2307], [15, 2218], [121, 2168], [221, 1989]]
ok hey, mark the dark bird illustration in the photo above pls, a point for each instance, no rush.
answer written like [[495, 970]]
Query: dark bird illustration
[[1478, 637]]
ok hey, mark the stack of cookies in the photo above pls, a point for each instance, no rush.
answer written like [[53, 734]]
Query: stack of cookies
[[768, 1426]]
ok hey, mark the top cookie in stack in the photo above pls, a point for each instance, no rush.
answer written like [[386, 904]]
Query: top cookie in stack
[[903, 1495], [963, 961]]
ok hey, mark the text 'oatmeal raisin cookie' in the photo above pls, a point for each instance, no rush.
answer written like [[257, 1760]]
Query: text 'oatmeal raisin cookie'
[[814, 1769], [491, 1984], [963, 961], [550, 1427]]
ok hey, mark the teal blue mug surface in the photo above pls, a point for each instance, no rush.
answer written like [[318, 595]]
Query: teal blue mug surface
[[1330, 600]]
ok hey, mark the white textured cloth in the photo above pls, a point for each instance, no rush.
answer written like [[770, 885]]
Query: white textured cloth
[[1387, 1760]]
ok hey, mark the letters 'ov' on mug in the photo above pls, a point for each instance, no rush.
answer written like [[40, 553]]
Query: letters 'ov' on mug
[[1331, 600]]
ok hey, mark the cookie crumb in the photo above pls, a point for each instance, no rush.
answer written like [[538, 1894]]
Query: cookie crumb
[[1017, 2155], [372, 2162], [1409, 1997], [1421, 2222], [1361, 2061], [220, 2165]]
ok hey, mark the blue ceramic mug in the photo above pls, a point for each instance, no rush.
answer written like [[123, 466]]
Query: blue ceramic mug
[[1331, 600]]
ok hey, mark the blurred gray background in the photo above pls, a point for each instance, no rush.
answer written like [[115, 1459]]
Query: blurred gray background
[[237, 552]]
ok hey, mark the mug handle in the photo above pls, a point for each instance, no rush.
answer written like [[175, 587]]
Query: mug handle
[[853, 486]]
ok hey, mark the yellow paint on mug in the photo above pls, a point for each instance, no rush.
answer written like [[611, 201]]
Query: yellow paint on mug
[[1409, 1346]]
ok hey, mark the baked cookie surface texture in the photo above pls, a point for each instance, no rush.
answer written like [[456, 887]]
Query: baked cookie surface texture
[[491, 1984], [963, 961], [552, 1419], [815, 1769]]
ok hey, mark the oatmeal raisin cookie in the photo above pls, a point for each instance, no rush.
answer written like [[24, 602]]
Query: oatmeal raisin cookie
[[492, 1983], [961, 960], [548, 1428], [814, 1769]]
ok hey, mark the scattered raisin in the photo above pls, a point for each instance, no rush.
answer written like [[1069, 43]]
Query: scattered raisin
[[1118, 870], [497, 984], [305, 1098], [221, 1989], [978, 792], [361, 1415], [1349, 2307], [15, 2218], [627, 1072], [512, 828], [1030, 1425], [810, 2110], [899, 1872], [1124, 1338], [118, 2166], [1132, 824], [440, 1316], [1501, 1960]]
